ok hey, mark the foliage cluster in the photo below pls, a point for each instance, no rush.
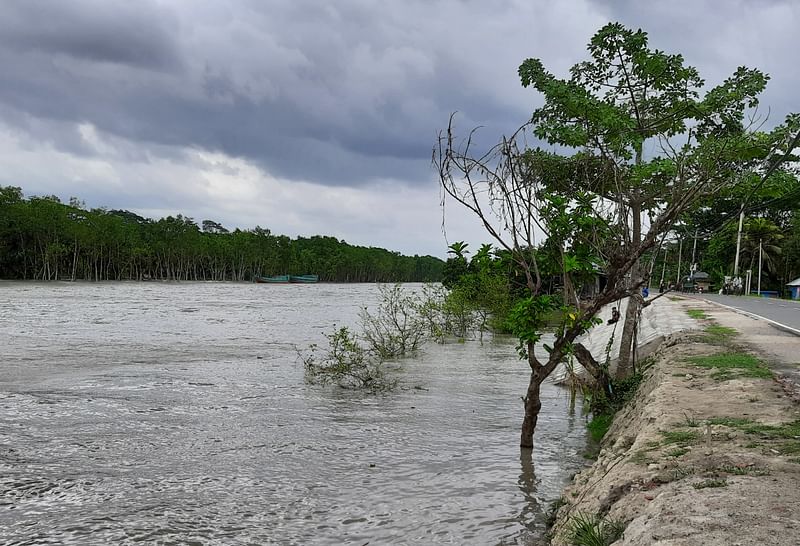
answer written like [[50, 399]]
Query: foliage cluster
[[484, 285], [605, 403], [44, 239], [398, 327], [770, 231], [599, 425], [346, 363]]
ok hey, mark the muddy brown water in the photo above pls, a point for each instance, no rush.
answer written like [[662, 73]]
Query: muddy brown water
[[176, 413]]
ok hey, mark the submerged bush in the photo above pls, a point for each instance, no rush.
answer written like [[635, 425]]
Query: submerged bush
[[346, 363], [402, 322], [397, 327]]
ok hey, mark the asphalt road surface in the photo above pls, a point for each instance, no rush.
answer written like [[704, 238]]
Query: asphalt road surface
[[783, 312]]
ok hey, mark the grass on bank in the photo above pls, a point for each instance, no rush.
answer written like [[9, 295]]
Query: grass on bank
[[782, 439], [719, 335], [732, 365], [698, 314], [679, 438], [599, 425], [604, 406], [593, 530]]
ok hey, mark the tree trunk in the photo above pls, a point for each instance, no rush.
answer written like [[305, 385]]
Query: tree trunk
[[635, 300], [533, 403], [626, 346], [595, 369]]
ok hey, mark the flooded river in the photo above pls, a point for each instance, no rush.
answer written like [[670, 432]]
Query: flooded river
[[177, 414]]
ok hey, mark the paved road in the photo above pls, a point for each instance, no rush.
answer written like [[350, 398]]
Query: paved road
[[783, 312]]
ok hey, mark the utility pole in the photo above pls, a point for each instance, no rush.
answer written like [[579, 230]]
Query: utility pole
[[759, 266], [738, 243], [664, 267], [694, 249], [680, 251]]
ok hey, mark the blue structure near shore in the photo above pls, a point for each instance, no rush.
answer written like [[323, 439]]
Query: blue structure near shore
[[794, 289]]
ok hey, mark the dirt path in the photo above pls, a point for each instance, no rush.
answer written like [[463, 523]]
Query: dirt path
[[708, 452]]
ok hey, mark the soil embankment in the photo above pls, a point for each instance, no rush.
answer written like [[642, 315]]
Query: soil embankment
[[707, 453]]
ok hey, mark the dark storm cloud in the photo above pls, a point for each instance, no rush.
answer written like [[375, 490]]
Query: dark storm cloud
[[341, 93], [130, 33], [338, 94]]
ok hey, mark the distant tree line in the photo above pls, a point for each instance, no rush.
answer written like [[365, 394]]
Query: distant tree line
[[42, 238]]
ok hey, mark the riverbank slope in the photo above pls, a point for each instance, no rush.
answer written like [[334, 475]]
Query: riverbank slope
[[707, 452]]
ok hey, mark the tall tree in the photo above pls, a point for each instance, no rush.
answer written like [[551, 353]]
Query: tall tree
[[638, 112], [637, 137]]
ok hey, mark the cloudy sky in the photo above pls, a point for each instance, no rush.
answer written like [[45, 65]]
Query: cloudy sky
[[315, 117]]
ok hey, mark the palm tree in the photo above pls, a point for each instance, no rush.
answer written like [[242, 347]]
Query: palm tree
[[764, 232], [459, 248]]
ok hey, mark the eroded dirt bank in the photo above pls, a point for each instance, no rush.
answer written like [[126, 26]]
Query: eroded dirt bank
[[705, 454]]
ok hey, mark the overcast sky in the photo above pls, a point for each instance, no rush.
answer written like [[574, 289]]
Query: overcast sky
[[315, 117]]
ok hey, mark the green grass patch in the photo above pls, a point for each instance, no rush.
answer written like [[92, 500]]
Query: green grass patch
[[733, 422], [712, 482], [593, 530], [681, 438], [787, 431], [599, 425], [718, 335], [698, 314], [789, 448], [784, 438], [732, 365]]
